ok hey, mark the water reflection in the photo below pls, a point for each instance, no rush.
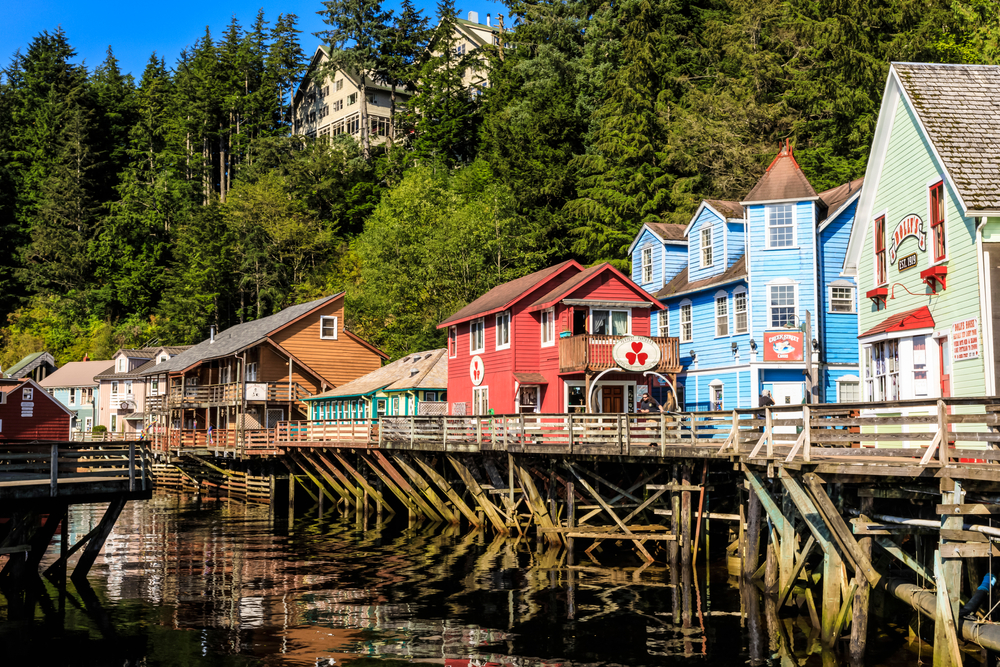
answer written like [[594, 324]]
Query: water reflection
[[189, 582]]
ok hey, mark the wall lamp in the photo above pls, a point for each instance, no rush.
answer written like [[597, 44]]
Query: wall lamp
[[694, 356], [753, 345], [736, 349]]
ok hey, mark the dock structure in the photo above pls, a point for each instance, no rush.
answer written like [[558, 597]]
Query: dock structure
[[39, 482]]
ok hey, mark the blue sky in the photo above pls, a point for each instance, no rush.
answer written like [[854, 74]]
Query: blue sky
[[137, 28]]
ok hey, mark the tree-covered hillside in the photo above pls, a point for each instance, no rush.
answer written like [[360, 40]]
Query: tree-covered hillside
[[133, 211]]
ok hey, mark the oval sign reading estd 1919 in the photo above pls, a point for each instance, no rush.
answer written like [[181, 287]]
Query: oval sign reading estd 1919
[[636, 353]]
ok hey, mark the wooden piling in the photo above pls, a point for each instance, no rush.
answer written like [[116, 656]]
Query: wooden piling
[[859, 618], [751, 539], [686, 518]]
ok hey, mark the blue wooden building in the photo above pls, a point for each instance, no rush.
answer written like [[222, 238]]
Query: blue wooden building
[[738, 281]]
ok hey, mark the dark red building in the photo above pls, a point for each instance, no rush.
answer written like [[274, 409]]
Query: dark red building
[[28, 413], [545, 343]]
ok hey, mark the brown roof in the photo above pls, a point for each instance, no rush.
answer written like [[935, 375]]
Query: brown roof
[[531, 378], [782, 180], [836, 197], [669, 231], [431, 373], [140, 353], [730, 209], [110, 373], [77, 374], [680, 285], [502, 296]]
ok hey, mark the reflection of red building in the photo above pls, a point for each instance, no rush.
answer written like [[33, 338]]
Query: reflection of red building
[[536, 344]]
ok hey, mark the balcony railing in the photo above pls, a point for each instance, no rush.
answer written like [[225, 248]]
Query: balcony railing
[[232, 392], [593, 353]]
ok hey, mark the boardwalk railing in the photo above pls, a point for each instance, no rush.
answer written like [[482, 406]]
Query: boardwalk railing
[[126, 466]]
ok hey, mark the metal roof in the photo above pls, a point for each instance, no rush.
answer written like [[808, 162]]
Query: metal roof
[[421, 370]]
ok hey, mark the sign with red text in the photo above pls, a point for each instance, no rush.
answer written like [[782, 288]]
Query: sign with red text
[[636, 353], [911, 225], [783, 345], [477, 370], [965, 339]]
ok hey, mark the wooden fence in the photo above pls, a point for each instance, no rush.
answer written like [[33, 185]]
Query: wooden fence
[[127, 467]]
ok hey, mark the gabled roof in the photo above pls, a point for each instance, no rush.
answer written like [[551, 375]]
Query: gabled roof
[[667, 232], [918, 318], [503, 296], [28, 364], [783, 181], [563, 290], [138, 353], [77, 374], [239, 337], [679, 284], [837, 199], [8, 385], [421, 370], [958, 107], [720, 207], [134, 374]]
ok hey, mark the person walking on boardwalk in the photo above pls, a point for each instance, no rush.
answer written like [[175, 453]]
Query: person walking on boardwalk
[[765, 399], [647, 405]]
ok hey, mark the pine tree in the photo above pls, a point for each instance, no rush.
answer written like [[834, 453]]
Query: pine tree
[[285, 62], [405, 43], [113, 95], [355, 37]]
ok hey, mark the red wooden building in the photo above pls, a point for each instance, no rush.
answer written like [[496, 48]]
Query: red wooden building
[[28, 413], [544, 342]]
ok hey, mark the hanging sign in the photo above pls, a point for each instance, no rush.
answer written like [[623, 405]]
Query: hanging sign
[[913, 226], [965, 339], [477, 369], [636, 353], [783, 345]]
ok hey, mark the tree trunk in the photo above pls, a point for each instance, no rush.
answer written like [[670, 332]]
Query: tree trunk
[[365, 146]]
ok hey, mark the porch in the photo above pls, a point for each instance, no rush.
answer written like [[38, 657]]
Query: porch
[[592, 353]]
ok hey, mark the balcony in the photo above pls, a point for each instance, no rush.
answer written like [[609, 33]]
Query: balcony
[[122, 401], [593, 353], [232, 394]]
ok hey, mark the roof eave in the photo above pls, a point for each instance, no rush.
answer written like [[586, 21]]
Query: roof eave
[[779, 201], [705, 287]]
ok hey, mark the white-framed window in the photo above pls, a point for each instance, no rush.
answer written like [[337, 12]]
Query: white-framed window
[[716, 389], [114, 423], [939, 242], [687, 325], [72, 396], [28, 394], [740, 318], [121, 365], [722, 315], [477, 336], [88, 424], [251, 375], [548, 327], [849, 389], [114, 387], [352, 99], [663, 323], [452, 342], [328, 327], [128, 387], [647, 264], [87, 396], [480, 400], [882, 371], [920, 387], [226, 374], [503, 330], [154, 387], [781, 304], [780, 226], [610, 322], [706, 246], [841, 298]]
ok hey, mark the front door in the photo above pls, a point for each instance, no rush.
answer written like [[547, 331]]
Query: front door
[[944, 355], [612, 398], [787, 393]]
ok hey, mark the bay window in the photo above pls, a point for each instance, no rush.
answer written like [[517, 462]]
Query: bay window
[[882, 371]]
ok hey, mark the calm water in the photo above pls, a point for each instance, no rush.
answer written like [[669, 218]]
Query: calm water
[[184, 582]]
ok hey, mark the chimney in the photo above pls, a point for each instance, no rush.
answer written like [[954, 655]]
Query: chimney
[[474, 17], [488, 24], [211, 334]]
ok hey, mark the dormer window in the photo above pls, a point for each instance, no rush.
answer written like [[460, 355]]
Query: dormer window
[[328, 327], [706, 246], [780, 226], [121, 365], [647, 264]]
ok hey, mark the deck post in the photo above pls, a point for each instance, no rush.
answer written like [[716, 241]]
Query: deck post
[[479, 432], [943, 433], [131, 465], [54, 471], [412, 433], [807, 435], [569, 430], [686, 517], [570, 518], [947, 571], [663, 434], [751, 546], [675, 515], [768, 437], [859, 618]]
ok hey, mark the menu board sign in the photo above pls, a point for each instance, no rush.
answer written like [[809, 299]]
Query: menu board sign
[[965, 339]]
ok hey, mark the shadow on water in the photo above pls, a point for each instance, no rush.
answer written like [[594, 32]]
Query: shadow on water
[[185, 582]]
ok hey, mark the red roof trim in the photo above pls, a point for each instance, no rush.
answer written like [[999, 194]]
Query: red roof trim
[[646, 296], [918, 318]]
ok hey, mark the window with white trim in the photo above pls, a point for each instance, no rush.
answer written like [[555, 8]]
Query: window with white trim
[[251, 371], [114, 423], [780, 226], [716, 388], [722, 315], [72, 396], [28, 394], [881, 274], [610, 322], [841, 298], [480, 400], [647, 264], [920, 387], [503, 330], [686, 323], [121, 365], [663, 323], [849, 390], [452, 342], [706, 246], [328, 327], [477, 336], [939, 240], [740, 319], [548, 327], [781, 305], [882, 371]]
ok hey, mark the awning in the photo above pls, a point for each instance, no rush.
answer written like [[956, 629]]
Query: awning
[[918, 318], [135, 416], [530, 378]]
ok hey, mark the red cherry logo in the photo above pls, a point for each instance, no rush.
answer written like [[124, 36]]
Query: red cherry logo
[[642, 358], [631, 358], [637, 346]]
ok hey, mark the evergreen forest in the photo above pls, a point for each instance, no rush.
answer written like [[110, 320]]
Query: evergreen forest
[[144, 211]]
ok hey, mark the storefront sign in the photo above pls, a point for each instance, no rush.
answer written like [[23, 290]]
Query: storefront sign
[[965, 339], [911, 225], [256, 391], [783, 345], [907, 262], [636, 353], [477, 369]]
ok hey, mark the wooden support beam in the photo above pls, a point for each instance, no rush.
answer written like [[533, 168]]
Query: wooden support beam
[[896, 552], [969, 550], [371, 490], [432, 497], [535, 503], [862, 592], [781, 524], [448, 491], [305, 464], [96, 543], [649, 501], [357, 493], [401, 482], [840, 530], [37, 544], [292, 479], [789, 583], [620, 491], [947, 652], [965, 508], [600, 501], [491, 510], [414, 509], [845, 607]]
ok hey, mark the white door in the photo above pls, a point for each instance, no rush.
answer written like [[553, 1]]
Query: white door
[[787, 393]]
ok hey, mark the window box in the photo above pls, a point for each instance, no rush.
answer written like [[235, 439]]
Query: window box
[[934, 276], [878, 296]]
